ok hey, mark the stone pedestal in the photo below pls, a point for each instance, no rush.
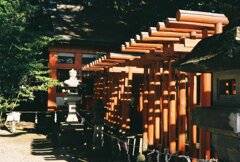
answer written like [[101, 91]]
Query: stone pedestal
[[72, 122], [71, 101], [224, 126]]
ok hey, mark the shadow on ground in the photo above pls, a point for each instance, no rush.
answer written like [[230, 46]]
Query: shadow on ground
[[74, 146], [5, 132], [69, 149]]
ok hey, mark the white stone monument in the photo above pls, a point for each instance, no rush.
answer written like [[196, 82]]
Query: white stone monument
[[72, 95]]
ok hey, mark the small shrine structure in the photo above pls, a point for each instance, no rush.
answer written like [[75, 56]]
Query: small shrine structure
[[220, 56]]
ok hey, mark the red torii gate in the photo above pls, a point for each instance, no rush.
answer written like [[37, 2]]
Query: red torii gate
[[171, 40], [167, 96]]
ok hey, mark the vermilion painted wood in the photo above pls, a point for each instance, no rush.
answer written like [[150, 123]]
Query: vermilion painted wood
[[151, 94], [192, 103], [172, 109], [165, 104], [145, 108], [201, 17], [157, 105], [205, 101], [182, 122]]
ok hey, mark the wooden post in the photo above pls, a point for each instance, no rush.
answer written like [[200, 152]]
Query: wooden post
[[53, 59], [218, 28], [128, 98], [52, 92], [151, 94], [101, 87], [182, 113], [192, 103], [165, 84], [141, 97], [172, 109], [157, 105], [124, 101], [106, 87], [205, 101], [96, 88], [120, 95], [115, 99], [109, 98], [145, 109]]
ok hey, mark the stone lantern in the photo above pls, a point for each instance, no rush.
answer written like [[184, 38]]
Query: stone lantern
[[71, 87], [72, 97], [220, 56]]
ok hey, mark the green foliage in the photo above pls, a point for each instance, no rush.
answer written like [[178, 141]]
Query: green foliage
[[22, 64], [137, 15]]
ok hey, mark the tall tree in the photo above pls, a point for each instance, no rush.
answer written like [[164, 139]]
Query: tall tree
[[22, 65]]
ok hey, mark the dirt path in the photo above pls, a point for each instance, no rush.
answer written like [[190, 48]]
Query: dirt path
[[26, 145], [32, 147]]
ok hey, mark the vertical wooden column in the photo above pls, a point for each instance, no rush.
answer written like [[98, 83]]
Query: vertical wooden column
[[157, 105], [165, 84], [119, 98], [128, 98], [141, 92], [182, 122], [100, 83], [172, 109], [151, 94], [101, 87], [115, 99], [105, 87], [116, 89], [95, 84], [52, 92], [109, 98], [218, 28], [53, 74], [123, 103], [53, 58], [145, 108], [95, 89], [78, 63], [192, 103], [205, 101], [98, 86], [105, 93]]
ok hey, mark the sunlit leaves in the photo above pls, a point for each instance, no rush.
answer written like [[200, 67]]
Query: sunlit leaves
[[23, 62]]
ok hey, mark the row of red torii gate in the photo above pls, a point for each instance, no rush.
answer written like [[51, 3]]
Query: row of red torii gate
[[163, 96]]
